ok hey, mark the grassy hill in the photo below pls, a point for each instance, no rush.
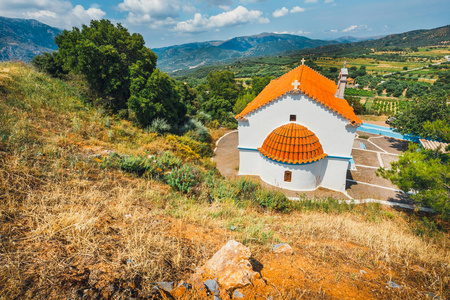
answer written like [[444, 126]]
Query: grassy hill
[[94, 207], [22, 39]]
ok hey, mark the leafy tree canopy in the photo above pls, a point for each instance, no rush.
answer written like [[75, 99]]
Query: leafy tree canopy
[[425, 110], [223, 84], [259, 83], [155, 98], [427, 174], [242, 101], [104, 54], [219, 95], [49, 63]]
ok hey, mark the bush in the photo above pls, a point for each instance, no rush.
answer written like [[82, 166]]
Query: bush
[[272, 200], [246, 188], [183, 179], [196, 130], [159, 126]]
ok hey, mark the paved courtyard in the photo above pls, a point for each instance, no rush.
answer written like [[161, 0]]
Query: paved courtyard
[[369, 153]]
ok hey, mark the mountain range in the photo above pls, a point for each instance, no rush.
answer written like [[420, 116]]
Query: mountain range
[[22, 39], [188, 56]]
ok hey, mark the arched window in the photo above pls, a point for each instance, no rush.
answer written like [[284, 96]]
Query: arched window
[[287, 176]]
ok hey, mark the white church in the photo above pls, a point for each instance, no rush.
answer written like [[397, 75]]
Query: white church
[[298, 132]]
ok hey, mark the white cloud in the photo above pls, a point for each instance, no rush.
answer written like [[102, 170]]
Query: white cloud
[[240, 15], [189, 8], [57, 13], [225, 7], [147, 11], [284, 11], [354, 28], [85, 15], [280, 12], [303, 32], [329, 1], [311, 1], [42, 14], [333, 30], [296, 9]]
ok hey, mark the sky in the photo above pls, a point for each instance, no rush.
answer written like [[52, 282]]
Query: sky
[[171, 22]]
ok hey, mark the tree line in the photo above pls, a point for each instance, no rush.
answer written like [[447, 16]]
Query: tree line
[[122, 76]]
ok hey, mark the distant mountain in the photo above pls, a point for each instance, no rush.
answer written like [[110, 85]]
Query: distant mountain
[[415, 38], [22, 39], [193, 55], [352, 39]]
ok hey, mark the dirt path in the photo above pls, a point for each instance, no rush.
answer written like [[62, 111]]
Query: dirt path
[[362, 183]]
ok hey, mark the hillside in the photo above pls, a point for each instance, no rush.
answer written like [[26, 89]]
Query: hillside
[[416, 38], [22, 39], [189, 56], [384, 55], [94, 207]]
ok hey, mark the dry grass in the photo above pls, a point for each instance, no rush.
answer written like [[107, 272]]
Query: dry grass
[[70, 228]]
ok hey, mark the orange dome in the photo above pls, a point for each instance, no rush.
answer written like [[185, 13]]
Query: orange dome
[[292, 143]]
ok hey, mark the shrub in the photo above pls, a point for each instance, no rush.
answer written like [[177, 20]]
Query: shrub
[[196, 130], [246, 188], [159, 126], [272, 200], [183, 179]]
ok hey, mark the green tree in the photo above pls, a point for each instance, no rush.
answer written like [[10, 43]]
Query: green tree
[[219, 95], [242, 101], [259, 83], [105, 54], [430, 108], [354, 102], [155, 98], [49, 63], [426, 174], [222, 84]]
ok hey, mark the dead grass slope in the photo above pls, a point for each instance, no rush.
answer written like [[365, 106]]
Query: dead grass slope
[[71, 227]]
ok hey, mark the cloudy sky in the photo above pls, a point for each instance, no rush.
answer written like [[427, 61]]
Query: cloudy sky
[[169, 22]]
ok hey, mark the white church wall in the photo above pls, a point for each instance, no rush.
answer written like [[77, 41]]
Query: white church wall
[[336, 173], [249, 162], [331, 129], [305, 177]]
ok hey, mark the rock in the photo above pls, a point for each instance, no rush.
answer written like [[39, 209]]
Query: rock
[[393, 285], [231, 266], [180, 290], [363, 272], [212, 286], [283, 248], [237, 294], [270, 298], [217, 298], [167, 286]]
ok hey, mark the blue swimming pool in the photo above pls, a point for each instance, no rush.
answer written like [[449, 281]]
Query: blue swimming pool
[[386, 131]]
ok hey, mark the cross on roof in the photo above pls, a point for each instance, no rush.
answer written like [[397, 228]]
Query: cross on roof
[[345, 62], [303, 61], [296, 84]]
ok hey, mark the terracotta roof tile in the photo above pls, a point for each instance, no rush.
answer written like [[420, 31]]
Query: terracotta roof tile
[[292, 143], [433, 145], [312, 84]]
